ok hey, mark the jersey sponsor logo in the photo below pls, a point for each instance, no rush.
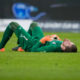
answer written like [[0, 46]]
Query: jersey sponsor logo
[[23, 36], [53, 43]]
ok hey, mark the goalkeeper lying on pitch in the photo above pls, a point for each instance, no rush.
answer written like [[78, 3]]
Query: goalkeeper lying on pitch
[[34, 40]]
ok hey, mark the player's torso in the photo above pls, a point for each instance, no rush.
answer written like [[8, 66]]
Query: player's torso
[[55, 43]]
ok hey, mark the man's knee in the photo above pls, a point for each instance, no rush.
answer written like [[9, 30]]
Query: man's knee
[[13, 25], [33, 24]]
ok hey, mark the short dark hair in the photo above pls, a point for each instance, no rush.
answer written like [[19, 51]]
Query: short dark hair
[[73, 48]]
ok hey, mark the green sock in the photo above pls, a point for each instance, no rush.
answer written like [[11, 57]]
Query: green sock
[[6, 36]]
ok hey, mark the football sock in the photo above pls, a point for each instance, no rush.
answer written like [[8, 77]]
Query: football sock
[[8, 33], [6, 36]]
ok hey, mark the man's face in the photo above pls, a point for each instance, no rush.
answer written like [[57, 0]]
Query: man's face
[[67, 43]]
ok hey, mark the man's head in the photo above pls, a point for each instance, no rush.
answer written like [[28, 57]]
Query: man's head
[[68, 46]]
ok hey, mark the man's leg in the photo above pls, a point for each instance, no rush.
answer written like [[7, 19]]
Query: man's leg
[[6, 36], [17, 29], [35, 31]]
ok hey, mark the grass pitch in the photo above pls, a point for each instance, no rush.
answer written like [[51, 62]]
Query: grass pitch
[[40, 66]]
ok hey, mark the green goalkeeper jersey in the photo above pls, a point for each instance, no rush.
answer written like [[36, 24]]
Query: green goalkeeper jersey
[[52, 46]]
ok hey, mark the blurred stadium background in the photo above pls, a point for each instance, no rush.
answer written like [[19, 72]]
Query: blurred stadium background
[[52, 15]]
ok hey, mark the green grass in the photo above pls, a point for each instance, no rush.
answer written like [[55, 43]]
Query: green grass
[[40, 66]]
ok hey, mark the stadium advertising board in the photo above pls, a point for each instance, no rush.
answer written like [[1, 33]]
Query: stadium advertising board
[[57, 26], [24, 23]]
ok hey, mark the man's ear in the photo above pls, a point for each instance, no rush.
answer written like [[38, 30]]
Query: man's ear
[[63, 47]]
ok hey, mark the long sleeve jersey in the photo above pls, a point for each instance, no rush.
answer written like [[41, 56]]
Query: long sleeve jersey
[[50, 46]]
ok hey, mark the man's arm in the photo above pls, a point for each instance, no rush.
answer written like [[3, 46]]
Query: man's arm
[[39, 48]]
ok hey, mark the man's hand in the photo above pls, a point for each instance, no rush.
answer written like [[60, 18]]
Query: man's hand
[[46, 38], [55, 37], [50, 38]]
